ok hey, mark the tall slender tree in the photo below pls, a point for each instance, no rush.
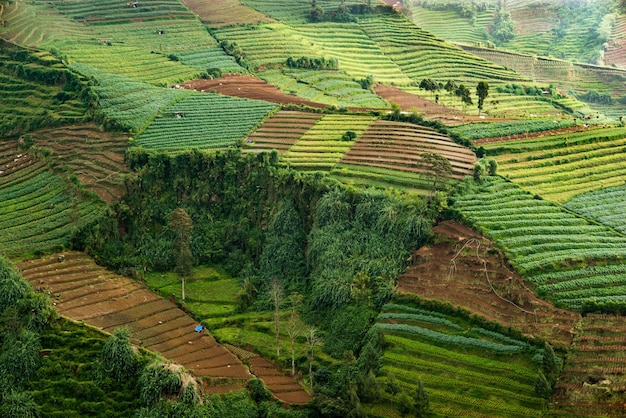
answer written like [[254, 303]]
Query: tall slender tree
[[180, 223], [277, 294], [482, 91]]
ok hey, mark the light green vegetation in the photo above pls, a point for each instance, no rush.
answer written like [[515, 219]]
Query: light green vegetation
[[35, 24], [474, 131], [451, 26], [211, 296], [607, 206], [358, 55], [128, 103], [321, 147], [463, 366], [421, 55], [558, 167], [39, 211], [204, 120], [100, 12], [207, 58], [556, 250], [327, 87]]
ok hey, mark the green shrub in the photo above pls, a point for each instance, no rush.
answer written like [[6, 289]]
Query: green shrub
[[118, 357]]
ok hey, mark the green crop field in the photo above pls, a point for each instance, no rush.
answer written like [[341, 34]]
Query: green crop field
[[568, 258], [204, 120], [465, 369], [560, 166], [607, 206], [321, 147]]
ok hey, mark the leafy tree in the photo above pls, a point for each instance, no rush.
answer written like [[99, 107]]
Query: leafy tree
[[16, 404], [404, 403], [317, 13], [421, 402], [550, 366], [463, 93], [277, 295], [158, 379], [482, 91], [20, 360], [503, 29], [312, 342], [293, 326], [118, 357], [436, 170], [542, 387], [180, 223]]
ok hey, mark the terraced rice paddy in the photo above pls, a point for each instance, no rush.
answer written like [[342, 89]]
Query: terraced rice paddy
[[463, 268], [321, 147], [204, 120], [464, 375], [83, 291], [39, 211], [561, 166], [592, 382], [567, 258], [97, 158], [281, 131], [397, 146]]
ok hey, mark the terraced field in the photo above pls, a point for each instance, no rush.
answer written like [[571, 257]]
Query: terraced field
[[607, 206], [463, 268], [421, 55], [321, 147], [592, 383], [204, 120], [615, 50], [464, 368], [39, 211], [281, 131], [96, 157], [561, 166], [568, 259], [34, 24], [397, 146], [127, 103], [451, 26], [83, 291], [219, 13]]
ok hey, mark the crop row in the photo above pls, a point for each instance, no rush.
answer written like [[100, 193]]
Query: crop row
[[474, 131], [607, 206], [102, 11], [535, 249], [457, 340], [204, 120], [419, 317]]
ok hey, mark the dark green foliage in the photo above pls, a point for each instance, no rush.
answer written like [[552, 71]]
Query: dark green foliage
[[404, 403], [551, 366], [230, 405], [158, 380], [118, 357], [258, 391], [503, 29], [14, 404], [421, 402], [19, 357], [313, 63], [212, 73], [542, 386], [482, 91], [348, 136], [592, 96], [347, 329], [367, 83]]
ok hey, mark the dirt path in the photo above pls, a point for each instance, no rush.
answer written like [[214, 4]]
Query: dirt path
[[84, 291]]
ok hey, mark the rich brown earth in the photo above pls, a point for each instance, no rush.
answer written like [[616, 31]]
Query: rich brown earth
[[96, 157], [281, 131], [464, 268], [218, 13], [249, 87], [409, 102], [84, 291]]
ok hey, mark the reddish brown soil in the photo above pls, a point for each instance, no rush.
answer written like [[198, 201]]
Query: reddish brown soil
[[218, 13], [281, 131], [284, 387], [462, 281], [250, 87], [409, 102], [551, 132], [96, 157], [399, 146], [110, 302], [593, 382], [615, 51]]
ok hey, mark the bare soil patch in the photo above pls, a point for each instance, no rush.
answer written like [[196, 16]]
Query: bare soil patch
[[551, 132], [249, 87], [464, 268]]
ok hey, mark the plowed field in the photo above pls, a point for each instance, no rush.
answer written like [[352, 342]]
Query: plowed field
[[83, 291], [281, 131], [477, 279]]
